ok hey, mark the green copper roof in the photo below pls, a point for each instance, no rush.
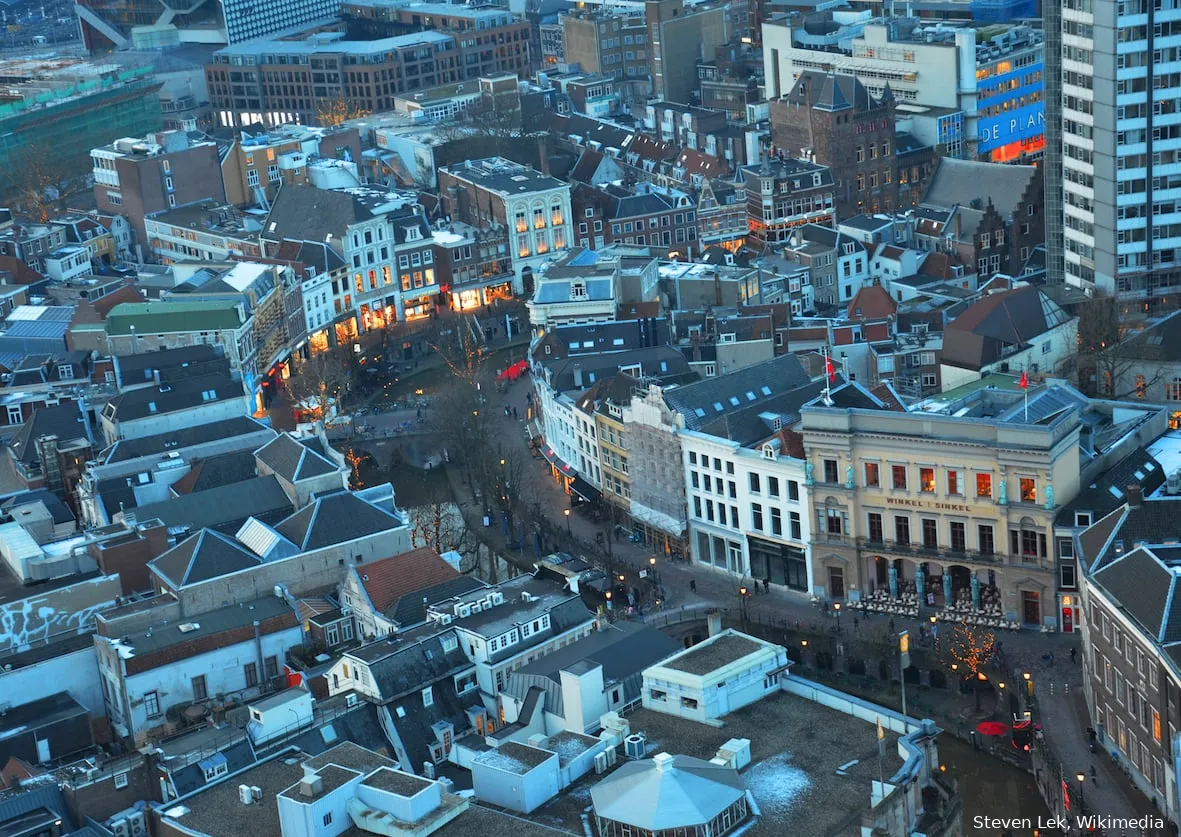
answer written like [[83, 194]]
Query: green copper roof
[[172, 317]]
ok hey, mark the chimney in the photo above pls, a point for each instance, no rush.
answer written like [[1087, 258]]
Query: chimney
[[663, 761], [1135, 496], [713, 620]]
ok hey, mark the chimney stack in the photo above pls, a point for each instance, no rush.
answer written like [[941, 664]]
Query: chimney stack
[[1135, 496]]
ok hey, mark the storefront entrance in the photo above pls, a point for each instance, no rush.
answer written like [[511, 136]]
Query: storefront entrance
[[1031, 608]]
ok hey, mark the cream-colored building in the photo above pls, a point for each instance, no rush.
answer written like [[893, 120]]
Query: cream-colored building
[[955, 504]]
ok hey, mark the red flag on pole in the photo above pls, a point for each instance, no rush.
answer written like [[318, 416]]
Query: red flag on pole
[[830, 369], [1024, 382]]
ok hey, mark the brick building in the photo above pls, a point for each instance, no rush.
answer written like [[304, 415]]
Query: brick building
[[782, 195], [834, 120], [138, 177]]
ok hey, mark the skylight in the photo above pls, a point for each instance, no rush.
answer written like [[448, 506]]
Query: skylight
[[733, 401], [750, 396], [718, 406], [700, 412], [765, 390], [1115, 492]]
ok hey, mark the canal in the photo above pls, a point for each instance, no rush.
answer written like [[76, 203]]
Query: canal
[[991, 788]]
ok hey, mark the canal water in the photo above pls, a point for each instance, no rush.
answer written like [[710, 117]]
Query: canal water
[[990, 788]]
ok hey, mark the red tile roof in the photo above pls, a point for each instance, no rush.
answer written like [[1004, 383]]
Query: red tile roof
[[127, 293], [388, 580], [871, 303]]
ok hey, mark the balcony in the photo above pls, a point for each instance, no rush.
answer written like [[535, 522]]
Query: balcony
[[919, 553]]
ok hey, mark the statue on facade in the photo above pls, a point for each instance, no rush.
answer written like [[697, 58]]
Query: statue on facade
[[1004, 493], [808, 469], [1049, 496], [849, 476]]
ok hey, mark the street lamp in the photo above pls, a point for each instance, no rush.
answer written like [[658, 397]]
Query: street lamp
[[742, 605], [608, 597], [837, 607], [567, 513]]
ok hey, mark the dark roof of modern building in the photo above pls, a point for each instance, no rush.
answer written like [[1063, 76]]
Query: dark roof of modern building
[[588, 163], [1109, 491], [183, 437], [46, 796], [705, 400], [182, 394], [335, 518], [210, 623], [65, 420], [224, 508], [204, 556], [579, 373], [960, 182], [138, 368], [981, 333], [58, 510], [292, 460]]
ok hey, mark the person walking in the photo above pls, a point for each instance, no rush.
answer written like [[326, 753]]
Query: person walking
[[692, 585], [1074, 655]]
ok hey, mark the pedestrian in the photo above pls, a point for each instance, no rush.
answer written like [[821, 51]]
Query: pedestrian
[[891, 626], [506, 411], [1094, 780], [1074, 655], [692, 585], [515, 413], [766, 585]]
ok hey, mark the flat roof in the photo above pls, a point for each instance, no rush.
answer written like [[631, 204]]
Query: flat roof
[[395, 781], [797, 748], [513, 757], [712, 654], [313, 45], [218, 812]]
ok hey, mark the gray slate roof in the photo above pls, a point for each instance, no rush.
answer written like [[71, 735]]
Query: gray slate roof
[[335, 518], [293, 461], [224, 508], [204, 556], [183, 394], [1099, 499], [959, 182], [62, 420], [706, 400], [184, 437]]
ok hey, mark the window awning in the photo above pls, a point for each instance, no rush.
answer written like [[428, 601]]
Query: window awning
[[584, 489]]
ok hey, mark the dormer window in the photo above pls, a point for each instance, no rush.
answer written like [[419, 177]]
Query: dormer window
[[578, 290], [413, 234]]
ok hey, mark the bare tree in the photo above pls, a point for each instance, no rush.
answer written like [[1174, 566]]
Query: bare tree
[[331, 112], [438, 525], [34, 180], [1107, 356], [319, 384]]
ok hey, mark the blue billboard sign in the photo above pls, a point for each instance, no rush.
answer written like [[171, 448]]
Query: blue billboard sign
[[1011, 126]]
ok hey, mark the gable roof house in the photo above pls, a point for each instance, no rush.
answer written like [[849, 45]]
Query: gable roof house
[[1012, 331], [994, 213], [392, 594], [303, 467]]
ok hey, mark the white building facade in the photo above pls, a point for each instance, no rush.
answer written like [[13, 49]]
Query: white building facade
[[747, 510]]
